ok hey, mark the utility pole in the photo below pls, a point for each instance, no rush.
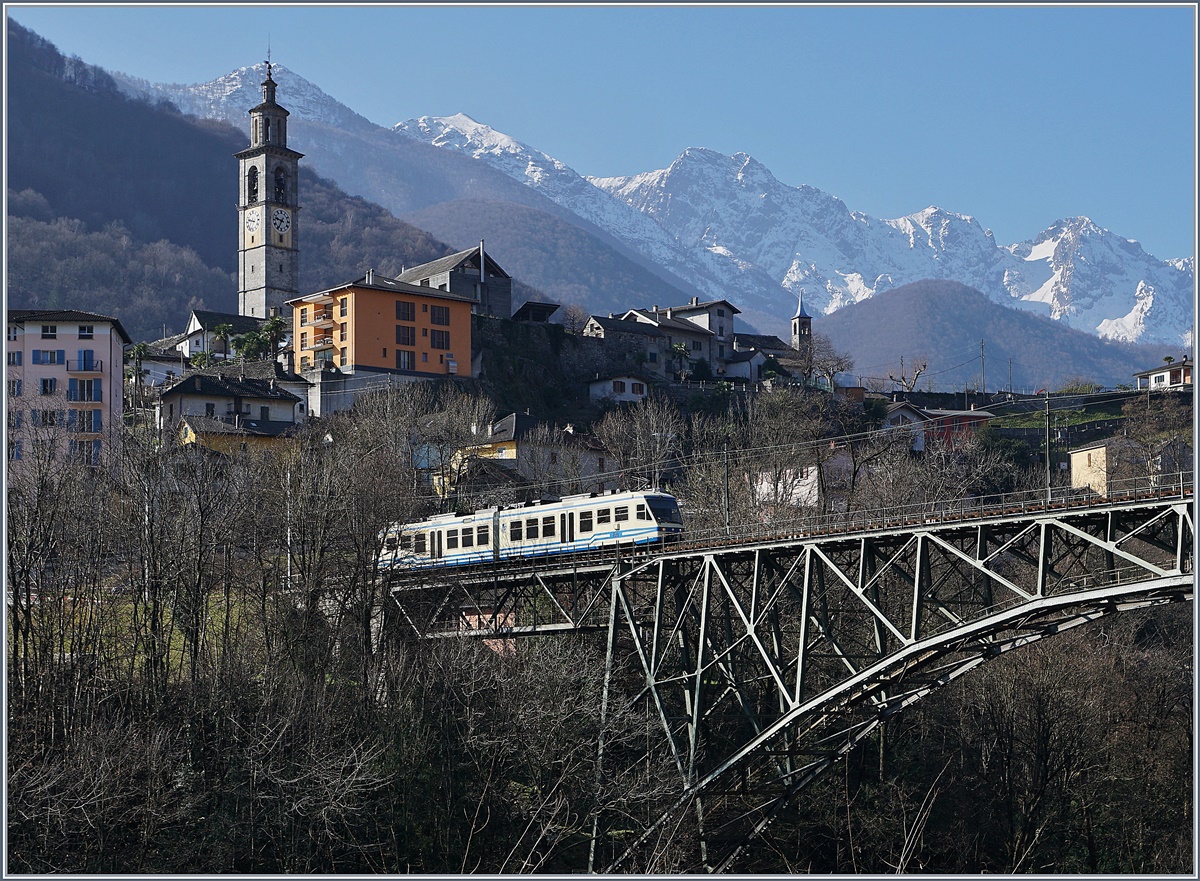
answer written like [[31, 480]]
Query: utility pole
[[1047, 445], [1010, 388], [982, 370], [725, 447]]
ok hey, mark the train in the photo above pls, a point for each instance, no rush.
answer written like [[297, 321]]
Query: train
[[567, 525]]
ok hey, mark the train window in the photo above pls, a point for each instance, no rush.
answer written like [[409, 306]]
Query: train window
[[622, 513], [585, 521], [481, 536], [514, 531], [420, 543], [406, 542], [531, 527], [603, 516], [451, 539], [548, 527], [390, 542], [642, 513], [468, 536]]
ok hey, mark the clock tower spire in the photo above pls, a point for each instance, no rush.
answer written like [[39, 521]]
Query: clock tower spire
[[268, 188]]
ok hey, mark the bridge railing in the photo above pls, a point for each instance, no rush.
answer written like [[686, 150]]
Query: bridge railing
[[1159, 486]]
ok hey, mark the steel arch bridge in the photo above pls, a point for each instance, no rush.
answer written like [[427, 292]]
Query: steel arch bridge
[[766, 661]]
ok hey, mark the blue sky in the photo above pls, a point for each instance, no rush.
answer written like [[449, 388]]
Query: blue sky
[[1016, 115]]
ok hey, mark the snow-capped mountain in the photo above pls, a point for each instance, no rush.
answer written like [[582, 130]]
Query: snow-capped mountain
[[724, 225]]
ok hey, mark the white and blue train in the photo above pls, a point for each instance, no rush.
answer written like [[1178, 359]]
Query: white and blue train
[[559, 526]]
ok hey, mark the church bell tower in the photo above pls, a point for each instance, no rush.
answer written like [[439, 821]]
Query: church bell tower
[[801, 327], [268, 190]]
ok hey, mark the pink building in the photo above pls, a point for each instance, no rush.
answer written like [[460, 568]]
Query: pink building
[[63, 372]]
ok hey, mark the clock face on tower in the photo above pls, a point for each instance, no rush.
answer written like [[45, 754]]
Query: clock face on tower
[[281, 220], [252, 221]]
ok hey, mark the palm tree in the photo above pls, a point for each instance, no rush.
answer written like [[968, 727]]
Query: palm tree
[[251, 346], [222, 332], [199, 360], [273, 330]]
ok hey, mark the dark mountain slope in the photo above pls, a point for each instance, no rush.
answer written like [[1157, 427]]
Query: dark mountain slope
[[129, 209], [944, 322]]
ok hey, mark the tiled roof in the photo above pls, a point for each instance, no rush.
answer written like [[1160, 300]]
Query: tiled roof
[[448, 263], [251, 427], [705, 306], [379, 282], [765, 342], [264, 370], [623, 325], [229, 387], [681, 325], [240, 323], [23, 315]]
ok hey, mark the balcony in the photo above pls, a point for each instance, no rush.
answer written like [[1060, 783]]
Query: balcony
[[321, 319], [325, 342], [87, 365]]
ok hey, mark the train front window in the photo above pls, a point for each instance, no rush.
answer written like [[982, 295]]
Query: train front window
[[665, 511]]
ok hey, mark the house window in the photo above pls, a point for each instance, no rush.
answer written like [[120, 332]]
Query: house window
[[85, 390], [618, 387], [405, 360], [86, 331], [14, 359], [49, 356], [695, 345], [12, 333], [343, 332], [424, 357], [49, 331], [14, 388], [342, 358], [264, 414], [405, 335], [721, 351], [721, 314], [439, 315], [425, 306], [406, 310], [210, 409], [652, 357], [439, 339], [343, 307], [304, 340], [638, 388], [304, 315], [49, 386]]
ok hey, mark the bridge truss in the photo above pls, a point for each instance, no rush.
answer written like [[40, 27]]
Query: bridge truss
[[764, 663]]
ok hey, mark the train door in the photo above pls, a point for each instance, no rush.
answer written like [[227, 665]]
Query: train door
[[496, 537], [566, 527], [435, 544]]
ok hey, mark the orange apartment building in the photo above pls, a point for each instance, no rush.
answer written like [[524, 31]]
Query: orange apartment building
[[380, 325]]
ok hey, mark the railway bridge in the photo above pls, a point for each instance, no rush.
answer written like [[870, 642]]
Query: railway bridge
[[767, 653]]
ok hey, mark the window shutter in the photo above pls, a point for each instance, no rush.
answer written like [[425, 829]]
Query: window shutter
[[81, 353], [73, 390], [62, 356], [37, 356], [98, 387], [35, 417], [72, 419], [96, 420]]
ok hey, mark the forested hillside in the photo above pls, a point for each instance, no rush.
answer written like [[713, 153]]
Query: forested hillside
[[128, 209]]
